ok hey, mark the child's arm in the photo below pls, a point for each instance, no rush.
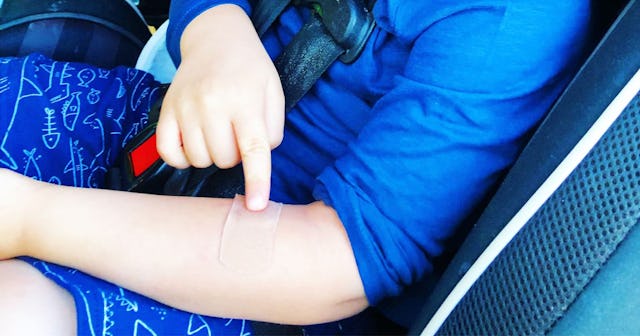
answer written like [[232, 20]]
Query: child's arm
[[167, 248], [225, 104]]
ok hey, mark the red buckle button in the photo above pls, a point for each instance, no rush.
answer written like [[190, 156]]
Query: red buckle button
[[143, 156]]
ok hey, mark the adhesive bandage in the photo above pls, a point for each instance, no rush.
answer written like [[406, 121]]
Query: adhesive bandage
[[248, 236]]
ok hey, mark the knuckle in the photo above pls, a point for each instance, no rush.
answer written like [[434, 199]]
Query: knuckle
[[200, 160], [226, 162], [165, 154], [254, 147], [223, 164], [176, 163], [207, 95], [173, 158], [208, 100], [165, 151]]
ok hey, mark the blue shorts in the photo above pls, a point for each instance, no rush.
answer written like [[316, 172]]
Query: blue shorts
[[66, 123]]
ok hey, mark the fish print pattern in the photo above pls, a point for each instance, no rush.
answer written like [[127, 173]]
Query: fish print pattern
[[66, 123]]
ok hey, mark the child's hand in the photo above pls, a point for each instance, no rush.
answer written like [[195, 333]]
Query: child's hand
[[225, 104]]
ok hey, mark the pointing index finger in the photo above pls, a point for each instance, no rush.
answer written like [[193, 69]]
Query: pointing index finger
[[255, 154]]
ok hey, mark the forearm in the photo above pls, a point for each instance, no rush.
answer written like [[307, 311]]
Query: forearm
[[168, 248]]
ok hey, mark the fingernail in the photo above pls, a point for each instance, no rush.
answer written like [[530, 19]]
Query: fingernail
[[256, 202]]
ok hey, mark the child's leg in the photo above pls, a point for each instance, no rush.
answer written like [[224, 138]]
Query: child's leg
[[31, 304], [66, 123]]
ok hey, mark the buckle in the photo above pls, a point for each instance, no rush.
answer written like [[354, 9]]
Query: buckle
[[140, 167], [350, 23]]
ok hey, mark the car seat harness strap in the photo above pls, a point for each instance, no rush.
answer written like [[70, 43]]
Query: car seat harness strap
[[336, 29]]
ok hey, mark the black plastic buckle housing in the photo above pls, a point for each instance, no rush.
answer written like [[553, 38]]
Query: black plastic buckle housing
[[150, 180], [350, 23]]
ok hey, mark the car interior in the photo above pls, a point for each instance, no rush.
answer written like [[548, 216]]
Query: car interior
[[551, 252]]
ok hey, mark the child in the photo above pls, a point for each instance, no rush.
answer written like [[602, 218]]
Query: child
[[386, 157], [66, 123]]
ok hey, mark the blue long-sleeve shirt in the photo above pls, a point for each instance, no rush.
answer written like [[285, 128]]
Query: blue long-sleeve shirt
[[406, 141]]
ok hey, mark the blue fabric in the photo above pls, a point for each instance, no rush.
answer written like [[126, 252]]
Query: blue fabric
[[406, 141], [106, 309], [66, 123]]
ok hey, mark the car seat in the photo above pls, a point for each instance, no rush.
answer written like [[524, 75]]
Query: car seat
[[533, 288], [554, 250], [105, 33], [536, 285]]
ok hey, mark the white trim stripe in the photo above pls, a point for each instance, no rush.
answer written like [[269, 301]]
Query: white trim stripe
[[550, 185]]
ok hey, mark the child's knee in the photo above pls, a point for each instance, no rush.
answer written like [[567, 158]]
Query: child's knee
[[31, 304]]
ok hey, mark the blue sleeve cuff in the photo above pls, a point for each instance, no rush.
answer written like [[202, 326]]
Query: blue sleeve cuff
[[182, 12]]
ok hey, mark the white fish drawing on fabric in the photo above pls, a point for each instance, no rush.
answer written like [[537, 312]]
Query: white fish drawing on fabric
[[198, 326], [107, 305], [118, 120], [26, 89], [137, 96], [57, 81], [242, 331], [51, 136], [110, 112], [93, 180], [161, 312], [135, 129], [150, 101], [86, 77], [124, 302], [93, 97], [76, 165], [103, 73], [95, 167], [140, 329], [121, 89], [5, 85], [131, 74], [71, 111], [31, 168], [55, 180]]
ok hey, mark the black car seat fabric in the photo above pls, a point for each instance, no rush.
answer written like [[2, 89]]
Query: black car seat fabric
[[155, 12], [105, 33], [535, 279]]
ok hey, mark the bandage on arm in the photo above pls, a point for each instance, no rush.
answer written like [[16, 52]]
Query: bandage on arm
[[248, 236], [168, 248]]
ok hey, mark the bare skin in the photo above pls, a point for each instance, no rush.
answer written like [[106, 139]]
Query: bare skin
[[31, 304], [167, 248], [225, 104]]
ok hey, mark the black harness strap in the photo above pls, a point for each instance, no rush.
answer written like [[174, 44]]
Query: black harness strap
[[305, 59], [265, 14], [336, 29]]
